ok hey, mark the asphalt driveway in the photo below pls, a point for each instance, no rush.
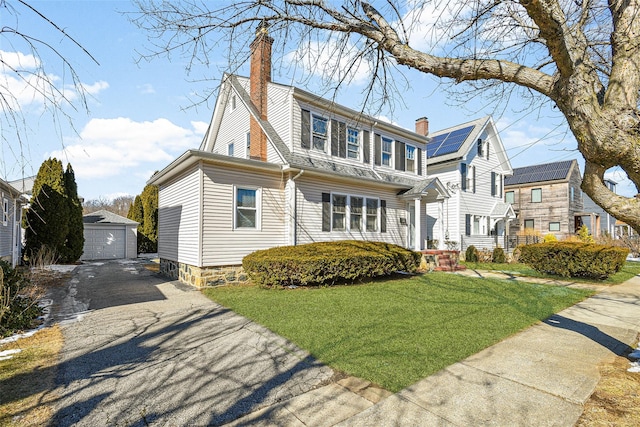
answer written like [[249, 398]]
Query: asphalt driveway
[[140, 350]]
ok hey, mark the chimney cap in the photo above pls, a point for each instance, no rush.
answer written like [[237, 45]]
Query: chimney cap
[[422, 118]]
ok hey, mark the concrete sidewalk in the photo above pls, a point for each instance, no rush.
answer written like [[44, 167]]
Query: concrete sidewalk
[[539, 377]]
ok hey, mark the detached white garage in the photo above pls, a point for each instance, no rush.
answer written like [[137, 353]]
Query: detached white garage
[[109, 236]]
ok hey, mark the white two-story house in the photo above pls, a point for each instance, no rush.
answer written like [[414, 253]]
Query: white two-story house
[[281, 166], [471, 162]]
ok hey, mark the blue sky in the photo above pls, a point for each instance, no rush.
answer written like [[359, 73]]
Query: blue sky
[[140, 116]]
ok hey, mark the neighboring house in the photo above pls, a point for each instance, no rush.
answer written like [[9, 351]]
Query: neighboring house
[[280, 166], [471, 161], [597, 219], [10, 234], [109, 236], [546, 198]]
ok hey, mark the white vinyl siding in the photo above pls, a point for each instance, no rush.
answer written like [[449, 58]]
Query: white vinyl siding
[[279, 113], [221, 243], [179, 218], [233, 127], [309, 211]]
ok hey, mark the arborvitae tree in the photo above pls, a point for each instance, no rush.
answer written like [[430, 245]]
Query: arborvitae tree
[[149, 198], [75, 237], [136, 213], [47, 219]]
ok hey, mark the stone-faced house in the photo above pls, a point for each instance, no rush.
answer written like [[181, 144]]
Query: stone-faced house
[[470, 160], [281, 166], [10, 231], [546, 198]]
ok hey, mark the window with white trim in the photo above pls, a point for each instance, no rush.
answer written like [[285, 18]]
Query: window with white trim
[[387, 147], [230, 149], [353, 143], [320, 131], [410, 158], [355, 213], [247, 208], [372, 214], [339, 212], [496, 185], [5, 212], [248, 145], [554, 226]]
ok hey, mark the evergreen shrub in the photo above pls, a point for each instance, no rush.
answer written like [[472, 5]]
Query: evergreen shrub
[[327, 263], [499, 256], [574, 259], [471, 254], [17, 310]]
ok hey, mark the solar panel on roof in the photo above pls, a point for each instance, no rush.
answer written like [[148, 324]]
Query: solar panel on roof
[[537, 173], [448, 142]]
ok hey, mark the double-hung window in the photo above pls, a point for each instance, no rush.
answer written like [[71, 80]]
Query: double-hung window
[[387, 146], [247, 202], [410, 158], [536, 195], [5, 212], [320, 129], [509, 197], [353, 143], [355, 220], [372, 215], [230, 149], [339, 212]]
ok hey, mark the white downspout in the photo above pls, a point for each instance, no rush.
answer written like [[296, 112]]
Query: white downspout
[[293, 207]]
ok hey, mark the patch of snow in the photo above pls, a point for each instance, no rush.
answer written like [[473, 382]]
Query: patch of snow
[[8, 354], [632, 258], [148, 256], [91, 276], [61, 268], [97, 263], [635, 367], [45, 304]]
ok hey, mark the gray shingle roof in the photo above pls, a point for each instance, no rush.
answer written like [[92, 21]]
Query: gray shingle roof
[[106, 217], [539, 173]]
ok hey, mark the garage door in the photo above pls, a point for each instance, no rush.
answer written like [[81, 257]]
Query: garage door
[[104, 243]]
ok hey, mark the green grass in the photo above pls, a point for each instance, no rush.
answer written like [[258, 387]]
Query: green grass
[[396, 332], [629, 270]]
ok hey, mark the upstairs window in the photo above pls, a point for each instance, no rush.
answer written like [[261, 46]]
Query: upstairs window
[[536, 195], [509, 197], [233, 102], [248, 145], [230, 149], [353, 143], [410, 158], [480, 146], [387, 147], [320, 128]]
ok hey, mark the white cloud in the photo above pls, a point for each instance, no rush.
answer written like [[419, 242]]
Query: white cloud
[[18, 60], [95, 88], [332, 62], [146, 89], [112, 147]]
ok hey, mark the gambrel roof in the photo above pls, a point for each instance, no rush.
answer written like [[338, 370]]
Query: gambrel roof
[[556, 171]]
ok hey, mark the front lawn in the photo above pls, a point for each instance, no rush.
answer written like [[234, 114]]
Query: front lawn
[[396, 332], [629, 270]]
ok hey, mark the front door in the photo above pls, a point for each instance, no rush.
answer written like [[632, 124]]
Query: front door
[[411, 226]]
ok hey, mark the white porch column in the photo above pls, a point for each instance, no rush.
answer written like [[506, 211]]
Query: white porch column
[[417, 240], [441, 222]]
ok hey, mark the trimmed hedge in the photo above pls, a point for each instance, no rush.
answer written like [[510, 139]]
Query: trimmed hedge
[[574, 259], [498, 255], [327, 263], [471, 254]]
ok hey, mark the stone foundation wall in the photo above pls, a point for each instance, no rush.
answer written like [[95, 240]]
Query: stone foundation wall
[[202, 277]]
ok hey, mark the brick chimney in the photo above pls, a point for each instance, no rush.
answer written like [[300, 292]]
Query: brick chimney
[[422, 126], [259, 77]]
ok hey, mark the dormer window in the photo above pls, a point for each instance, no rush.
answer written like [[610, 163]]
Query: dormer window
[[320, 128], [353, 143], [480, 145], [410, 158], [387, 146]]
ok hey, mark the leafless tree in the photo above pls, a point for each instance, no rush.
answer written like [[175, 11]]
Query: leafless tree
[[581, 55], [34, 71], [119, 206]]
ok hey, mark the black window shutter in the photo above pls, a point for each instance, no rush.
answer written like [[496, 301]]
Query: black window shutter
[[305, 134], [326, 212], [377, 148], [366, 147], [400, 154], [493, 184], [342, 140], [474, 179], [488, 145], [419, 161], [467, 224], [334, 138], [383, 216], [463, 173]]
